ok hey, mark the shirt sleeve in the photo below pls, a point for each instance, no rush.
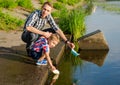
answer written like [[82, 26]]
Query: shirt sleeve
[[52, 22], [31, 20], [45, 48]]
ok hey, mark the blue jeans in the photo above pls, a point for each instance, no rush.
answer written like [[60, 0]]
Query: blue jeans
[[30, 38], [36, 55]]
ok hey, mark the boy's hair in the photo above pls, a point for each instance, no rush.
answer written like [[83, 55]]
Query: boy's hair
[[47, 3], [55, 37]]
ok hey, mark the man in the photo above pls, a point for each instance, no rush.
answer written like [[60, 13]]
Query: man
[[35, 23]]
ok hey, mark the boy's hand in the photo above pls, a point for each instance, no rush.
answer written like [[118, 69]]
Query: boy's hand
[[53, 68]]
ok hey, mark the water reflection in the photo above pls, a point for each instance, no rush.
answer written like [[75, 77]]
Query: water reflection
[[52, 79], [87, 73], [96, 57], [75, 82], [55, 77]]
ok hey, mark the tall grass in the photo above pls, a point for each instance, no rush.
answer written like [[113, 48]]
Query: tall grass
[[69, 2], [25, 3], [8, 22], [76, 23], [56, 14], [63, 21], [8, 3], [14, 3], [42, 1], [73, 2], [58, 5], [72, 22], [62, 1]]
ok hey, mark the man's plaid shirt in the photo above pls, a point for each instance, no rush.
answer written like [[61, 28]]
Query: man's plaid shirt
[[35, 20]]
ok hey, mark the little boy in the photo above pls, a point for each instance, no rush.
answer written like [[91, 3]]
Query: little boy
[[41, 48]]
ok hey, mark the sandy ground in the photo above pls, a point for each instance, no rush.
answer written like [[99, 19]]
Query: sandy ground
[[11, 38]]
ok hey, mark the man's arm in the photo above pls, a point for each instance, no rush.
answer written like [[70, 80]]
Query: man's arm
[[55, 27], [60, 32], [34, 30]]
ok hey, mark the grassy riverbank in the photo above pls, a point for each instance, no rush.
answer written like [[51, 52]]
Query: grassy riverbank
[[69, 14], [109, 7]]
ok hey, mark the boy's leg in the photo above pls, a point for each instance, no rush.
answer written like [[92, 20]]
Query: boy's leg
[[41, 61], [41, 57], [35, 55], [38, 57]]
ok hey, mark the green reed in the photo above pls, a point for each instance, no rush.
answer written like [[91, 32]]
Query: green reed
[[58, 5], [72, 22]]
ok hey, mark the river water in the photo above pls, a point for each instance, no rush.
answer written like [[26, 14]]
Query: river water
[[102, 68]]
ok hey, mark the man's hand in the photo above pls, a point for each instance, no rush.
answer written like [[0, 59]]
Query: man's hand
[[47, 34], [71, 45]]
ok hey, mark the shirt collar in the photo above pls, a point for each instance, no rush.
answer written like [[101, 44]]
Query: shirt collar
[[40, 13]]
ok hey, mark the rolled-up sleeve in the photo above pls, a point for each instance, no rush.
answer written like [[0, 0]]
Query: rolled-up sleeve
[[52, 22], [31, 19]]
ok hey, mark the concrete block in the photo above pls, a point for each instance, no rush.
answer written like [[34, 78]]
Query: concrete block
[[93, 41], [19, 69]]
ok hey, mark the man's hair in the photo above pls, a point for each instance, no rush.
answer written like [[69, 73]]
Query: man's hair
[[47, 3], [55, 37]]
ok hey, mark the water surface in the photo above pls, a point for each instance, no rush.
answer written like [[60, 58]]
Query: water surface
[[98, 68]]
